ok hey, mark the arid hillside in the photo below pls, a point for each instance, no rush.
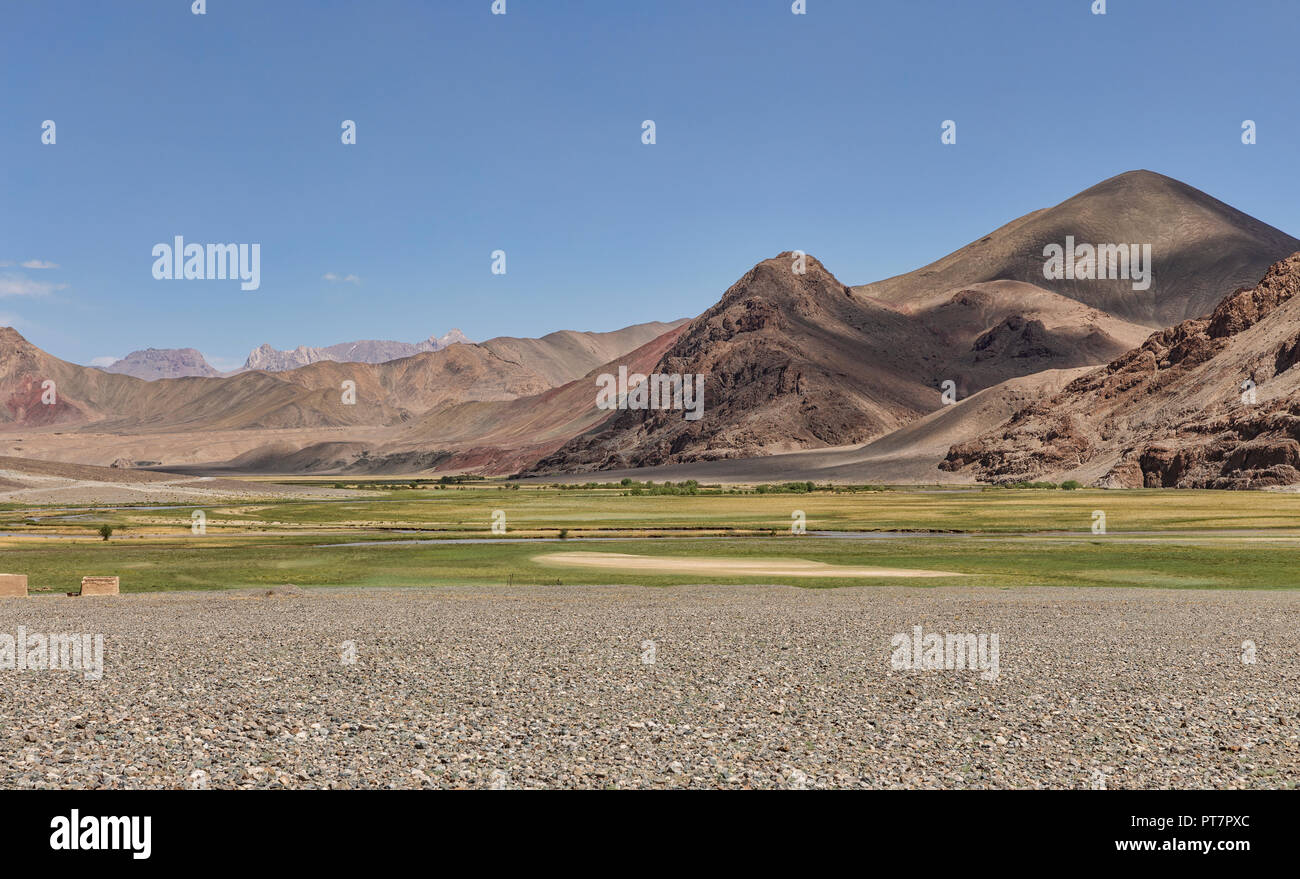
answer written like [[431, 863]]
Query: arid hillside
[[281, 421], [800, 361], [792, 360], [1209, 403], [1200, 247], [495, 437]]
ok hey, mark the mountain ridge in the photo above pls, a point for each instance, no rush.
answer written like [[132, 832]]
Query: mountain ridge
[[1185, 227], [1175, 412], [794, 361], [268, 359], [801, 361]]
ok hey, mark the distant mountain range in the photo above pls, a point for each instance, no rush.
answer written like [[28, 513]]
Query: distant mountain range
[[366, 351], [98, 417], [1047, 371], [156, 363]]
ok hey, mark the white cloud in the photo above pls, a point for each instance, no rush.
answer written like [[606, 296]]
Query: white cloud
[[104, 361], [39, 264], [17, 285], [345, 279]]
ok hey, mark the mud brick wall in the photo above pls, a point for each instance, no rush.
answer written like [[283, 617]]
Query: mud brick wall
[[99, 586]]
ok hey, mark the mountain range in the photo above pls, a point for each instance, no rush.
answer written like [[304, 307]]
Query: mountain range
[[156, 363], [365, 351], [799, 361], [984, 365]]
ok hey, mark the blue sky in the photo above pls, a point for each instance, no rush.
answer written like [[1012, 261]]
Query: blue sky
[[522, 132]]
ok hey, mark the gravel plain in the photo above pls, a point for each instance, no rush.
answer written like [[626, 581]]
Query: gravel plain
[[742, 687]]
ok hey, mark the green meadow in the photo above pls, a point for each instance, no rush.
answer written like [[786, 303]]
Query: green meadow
[[1001, 538]]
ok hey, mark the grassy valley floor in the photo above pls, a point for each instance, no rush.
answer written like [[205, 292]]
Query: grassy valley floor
[[1000, 538]]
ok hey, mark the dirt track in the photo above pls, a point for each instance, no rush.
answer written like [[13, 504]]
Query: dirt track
[[724, 567]]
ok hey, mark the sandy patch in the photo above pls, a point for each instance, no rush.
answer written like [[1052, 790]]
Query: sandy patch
[[727, 567]]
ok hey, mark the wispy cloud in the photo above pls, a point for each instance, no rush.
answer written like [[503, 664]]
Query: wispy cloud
[[39, 264], [341, 279], [10, 320], [18, 285]]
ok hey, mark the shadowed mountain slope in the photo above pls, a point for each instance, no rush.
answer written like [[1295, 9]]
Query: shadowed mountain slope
[[1200, 247]]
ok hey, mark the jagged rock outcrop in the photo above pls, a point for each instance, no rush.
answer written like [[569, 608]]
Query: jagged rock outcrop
[[1210, 403]]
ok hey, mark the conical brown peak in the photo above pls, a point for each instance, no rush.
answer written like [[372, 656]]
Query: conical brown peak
[[786, 260], [790, 270], [1141, 184]]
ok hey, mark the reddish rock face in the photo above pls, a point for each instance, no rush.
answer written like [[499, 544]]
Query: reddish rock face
[[26, 404], [1173, 412]]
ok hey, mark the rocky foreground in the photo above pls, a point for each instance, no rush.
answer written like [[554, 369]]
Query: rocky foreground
[[702, 687]]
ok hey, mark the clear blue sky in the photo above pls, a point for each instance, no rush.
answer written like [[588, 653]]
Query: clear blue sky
[[523, 132]]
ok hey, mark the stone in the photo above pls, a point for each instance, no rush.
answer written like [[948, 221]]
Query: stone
[[13, 585]]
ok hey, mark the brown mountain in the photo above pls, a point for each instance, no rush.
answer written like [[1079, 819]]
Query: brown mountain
[[801, 361], [98, 417], [489, 437], [1200, 247], [1172, 412], [568, 355], [791, 361], [556, 357], [998, 329], [386, 393], [911, 454]]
